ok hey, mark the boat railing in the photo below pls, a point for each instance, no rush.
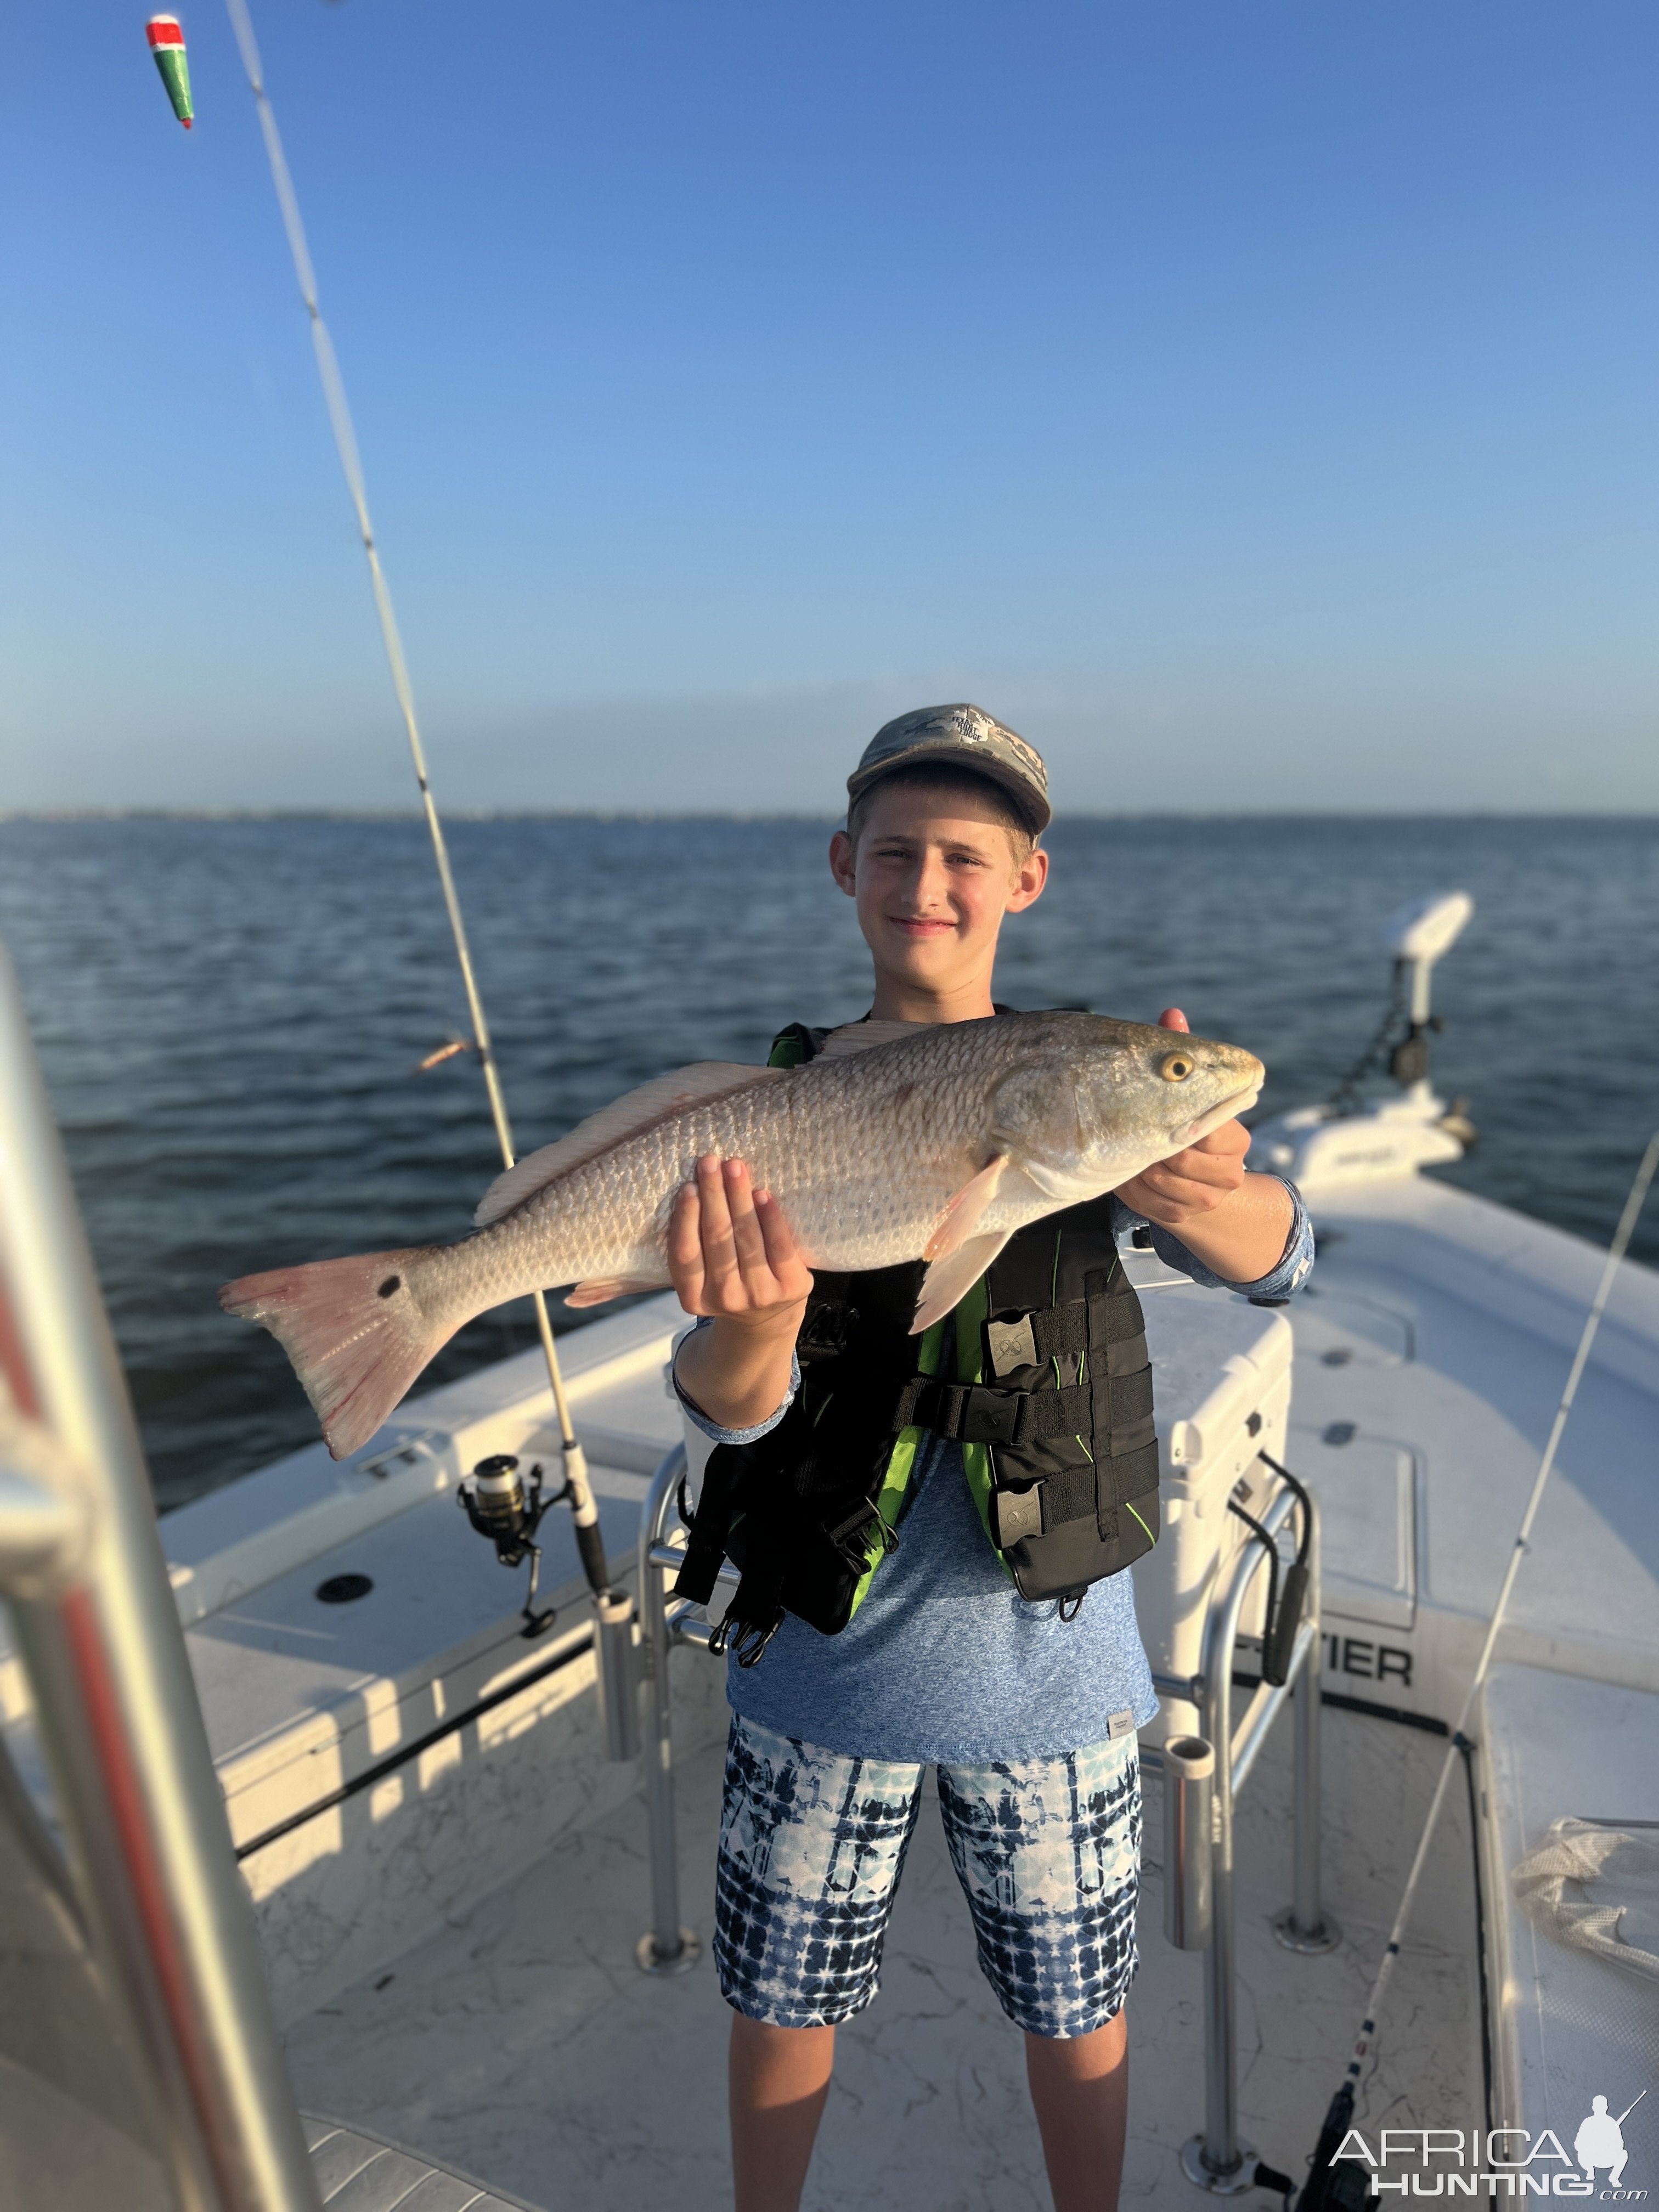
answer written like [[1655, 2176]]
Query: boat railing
[[149, 1868], [1198, 1853], [1198, 1858]]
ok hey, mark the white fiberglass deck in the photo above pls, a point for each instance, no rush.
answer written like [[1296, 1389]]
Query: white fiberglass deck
[[1432, 1346], [450, 1877], [522, 2042]]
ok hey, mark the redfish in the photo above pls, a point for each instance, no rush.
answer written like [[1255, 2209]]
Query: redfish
[[900, 1141]]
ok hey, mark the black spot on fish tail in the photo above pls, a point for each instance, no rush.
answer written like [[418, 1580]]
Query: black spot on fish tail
[[391, 1283]]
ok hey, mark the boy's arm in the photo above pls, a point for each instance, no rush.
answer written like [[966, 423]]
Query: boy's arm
[[1238, 1224], [732, 1257]]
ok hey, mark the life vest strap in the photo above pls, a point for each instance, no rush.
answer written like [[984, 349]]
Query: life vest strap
[[1110, 1318], [972, 1413]]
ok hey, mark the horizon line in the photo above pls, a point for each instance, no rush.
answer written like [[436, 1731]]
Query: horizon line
[[409, 814]]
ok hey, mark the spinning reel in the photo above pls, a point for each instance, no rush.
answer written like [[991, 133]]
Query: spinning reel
[[506, 1508]]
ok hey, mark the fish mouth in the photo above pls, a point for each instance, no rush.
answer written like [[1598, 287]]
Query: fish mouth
[[1227, 1109]]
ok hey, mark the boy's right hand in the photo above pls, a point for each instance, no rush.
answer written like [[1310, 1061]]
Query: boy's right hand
[[732, 1256], [731, 1252]]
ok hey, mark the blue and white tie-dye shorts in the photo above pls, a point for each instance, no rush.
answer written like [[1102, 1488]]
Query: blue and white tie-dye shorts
[[1047, 1852]]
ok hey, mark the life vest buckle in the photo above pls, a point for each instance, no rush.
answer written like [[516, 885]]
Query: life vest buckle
[[1011, 1344], [1018, 1514], [994, 1417], [852, 1537], [747, 1640], [752, 1639], [826, 1333]]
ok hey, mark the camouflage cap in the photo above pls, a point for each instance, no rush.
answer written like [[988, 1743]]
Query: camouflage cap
[[958, 737]]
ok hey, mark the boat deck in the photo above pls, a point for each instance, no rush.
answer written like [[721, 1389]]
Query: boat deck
[[519, 2039], [523, 2043], [450, 1877]]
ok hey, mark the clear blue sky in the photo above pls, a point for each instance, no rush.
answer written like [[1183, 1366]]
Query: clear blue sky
[[1256, 403]]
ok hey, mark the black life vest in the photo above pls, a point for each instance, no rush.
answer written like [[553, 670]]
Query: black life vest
[[1051, 1398]]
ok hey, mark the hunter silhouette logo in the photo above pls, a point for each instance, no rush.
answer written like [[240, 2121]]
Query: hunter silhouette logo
[[1514, 2161], [1600, 2141]]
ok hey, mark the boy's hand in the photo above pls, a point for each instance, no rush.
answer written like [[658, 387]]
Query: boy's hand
[[1234, 1222], [1182, 1190], [1192, 1183], [731, 1253], [732, 1256]]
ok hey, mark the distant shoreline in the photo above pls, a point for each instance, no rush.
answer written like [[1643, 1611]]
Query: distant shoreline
[[474, 814]]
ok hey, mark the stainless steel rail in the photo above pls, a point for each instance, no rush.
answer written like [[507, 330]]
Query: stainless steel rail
[[666, 1946], [98, 1632], [1218, 2159]]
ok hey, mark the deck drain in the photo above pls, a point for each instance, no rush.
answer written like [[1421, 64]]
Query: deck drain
[[340, 1590], [1338, 1356], [1336, 1432]]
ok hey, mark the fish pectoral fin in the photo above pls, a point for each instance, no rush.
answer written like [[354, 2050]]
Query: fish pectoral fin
[[948, 1281], [601, 1288], [654, 1102], [966, 1210]]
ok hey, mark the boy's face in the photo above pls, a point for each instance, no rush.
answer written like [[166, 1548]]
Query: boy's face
[[934, 874]]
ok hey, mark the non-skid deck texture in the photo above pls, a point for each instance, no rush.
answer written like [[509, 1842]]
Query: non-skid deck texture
[[522, 2043]]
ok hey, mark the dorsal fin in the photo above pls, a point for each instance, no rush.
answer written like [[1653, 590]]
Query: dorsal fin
[[862, 1036], [627, 1116]]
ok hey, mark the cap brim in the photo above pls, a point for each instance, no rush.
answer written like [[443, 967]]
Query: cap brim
[[1029, 802]]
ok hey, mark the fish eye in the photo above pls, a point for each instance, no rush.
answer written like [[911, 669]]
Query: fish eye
[[1174, 1066]]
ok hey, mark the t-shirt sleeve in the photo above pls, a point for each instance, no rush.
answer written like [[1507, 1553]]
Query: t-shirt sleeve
[[699, 1419], [1294, 1266]]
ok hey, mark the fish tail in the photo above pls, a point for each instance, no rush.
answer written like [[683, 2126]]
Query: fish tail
[[354, 1331]]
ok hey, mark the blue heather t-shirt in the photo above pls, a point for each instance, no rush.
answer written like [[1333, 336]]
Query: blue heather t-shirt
[[945, 1661]]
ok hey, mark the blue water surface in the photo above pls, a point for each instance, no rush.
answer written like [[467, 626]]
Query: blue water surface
[[229, 1011]]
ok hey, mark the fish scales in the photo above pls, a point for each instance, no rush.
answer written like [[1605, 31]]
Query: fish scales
[[863, 1177], [938, 1142]]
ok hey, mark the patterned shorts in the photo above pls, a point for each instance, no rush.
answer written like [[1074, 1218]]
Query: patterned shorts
[[1047, 1852]]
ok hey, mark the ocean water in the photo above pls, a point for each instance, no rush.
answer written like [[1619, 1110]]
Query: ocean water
[[228, 1012]]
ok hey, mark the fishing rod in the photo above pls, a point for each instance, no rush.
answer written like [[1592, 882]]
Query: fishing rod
[[590, 1543], [1343, 2187]]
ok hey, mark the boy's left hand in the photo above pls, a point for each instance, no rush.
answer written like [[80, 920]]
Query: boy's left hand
[[1186, 1187]]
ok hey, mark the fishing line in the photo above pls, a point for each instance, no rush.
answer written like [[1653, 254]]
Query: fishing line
[[584, 1510], [1325, 2186]]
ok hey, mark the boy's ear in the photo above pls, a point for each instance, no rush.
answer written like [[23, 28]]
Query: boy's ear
[[841, 863], [1028, 883]]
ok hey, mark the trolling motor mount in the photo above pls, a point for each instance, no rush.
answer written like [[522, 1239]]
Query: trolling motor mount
[[1417, 936], [506, 1507]]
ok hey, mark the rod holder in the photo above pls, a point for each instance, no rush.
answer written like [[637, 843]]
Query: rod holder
[[1188, 1841], [619, 1673]]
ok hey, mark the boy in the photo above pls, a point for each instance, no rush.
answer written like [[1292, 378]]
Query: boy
[[1027, 1710]]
